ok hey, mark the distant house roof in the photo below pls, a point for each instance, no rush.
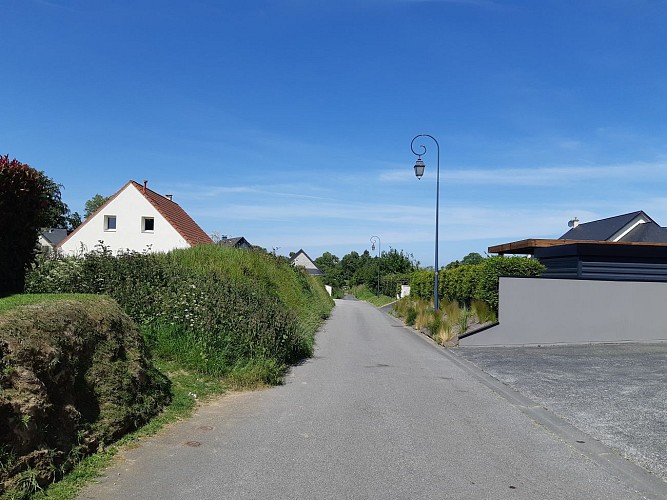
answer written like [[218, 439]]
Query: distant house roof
[[237, 242], [617, 228], [170, 210], [635, 228], [301, 259], [54, 235]]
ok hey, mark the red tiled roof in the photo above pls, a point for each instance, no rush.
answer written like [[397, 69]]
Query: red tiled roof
[[176, 216]]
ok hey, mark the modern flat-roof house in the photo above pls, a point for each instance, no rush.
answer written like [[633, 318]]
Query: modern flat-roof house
[[624, 247], [139, 219], [605, 281]]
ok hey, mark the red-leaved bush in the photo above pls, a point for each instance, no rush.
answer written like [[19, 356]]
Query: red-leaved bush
[[25, 200]]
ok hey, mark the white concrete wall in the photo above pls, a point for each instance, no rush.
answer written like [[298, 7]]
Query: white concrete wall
[[551, 311], [129, 207]]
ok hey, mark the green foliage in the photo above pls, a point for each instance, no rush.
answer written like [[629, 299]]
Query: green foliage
[[468, 282], [471, 258], [391, 283], [93, 204], [215, 309], [460, 283], [411, 316], [392, 268], [421, 284], [483, 312], [25, 205], [497, 266], [362, 292]]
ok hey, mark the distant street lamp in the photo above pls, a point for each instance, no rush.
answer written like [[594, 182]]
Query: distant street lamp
[[419, 171], [373, 240]]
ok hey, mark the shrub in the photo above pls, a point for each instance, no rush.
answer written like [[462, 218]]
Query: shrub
[[391, 283], [483, 312], [25, 204], [497, 266], [214, 309], [460, 283], [411, 316], [421, 284]]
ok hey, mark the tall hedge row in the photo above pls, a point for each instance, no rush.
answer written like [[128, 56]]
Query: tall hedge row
[[214, 309], [475, 281]]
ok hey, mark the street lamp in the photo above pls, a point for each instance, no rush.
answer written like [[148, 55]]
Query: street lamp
[[373, 240], [419, 171]]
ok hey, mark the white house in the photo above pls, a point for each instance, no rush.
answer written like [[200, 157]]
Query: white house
[[136, 218], [301, 259], [49, 238]]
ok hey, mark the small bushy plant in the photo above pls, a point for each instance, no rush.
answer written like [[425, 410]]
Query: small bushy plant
[[483, 312]]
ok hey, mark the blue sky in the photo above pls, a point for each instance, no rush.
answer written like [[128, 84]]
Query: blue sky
[[289, 121]]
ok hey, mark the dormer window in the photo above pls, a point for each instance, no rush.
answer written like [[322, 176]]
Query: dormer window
[[148, 224], [109, 222]]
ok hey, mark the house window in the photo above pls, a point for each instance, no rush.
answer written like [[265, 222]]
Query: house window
[[147, 224], [109, 222]]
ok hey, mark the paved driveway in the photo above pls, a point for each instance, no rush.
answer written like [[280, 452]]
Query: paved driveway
[[617, 393]]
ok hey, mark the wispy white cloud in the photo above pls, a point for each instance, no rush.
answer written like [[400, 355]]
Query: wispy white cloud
[[542, 176]]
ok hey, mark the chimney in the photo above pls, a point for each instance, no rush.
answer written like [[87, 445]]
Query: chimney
[[573, 223], [169, 196], [145, 182]]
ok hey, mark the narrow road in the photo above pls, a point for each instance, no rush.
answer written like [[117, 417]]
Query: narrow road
[[378, 413]]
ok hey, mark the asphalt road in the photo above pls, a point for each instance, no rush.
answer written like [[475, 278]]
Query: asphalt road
[[617, 393], [378, 413]]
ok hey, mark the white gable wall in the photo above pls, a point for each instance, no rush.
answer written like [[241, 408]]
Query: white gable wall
[[302, 261], [129, 206]]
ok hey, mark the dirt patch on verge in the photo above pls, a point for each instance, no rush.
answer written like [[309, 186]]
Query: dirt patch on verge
[[74, 376]]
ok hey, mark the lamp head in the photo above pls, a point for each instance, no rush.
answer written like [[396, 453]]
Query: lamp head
[[373, 246], [419, 168]]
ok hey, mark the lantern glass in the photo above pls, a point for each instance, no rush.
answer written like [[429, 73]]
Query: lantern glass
[[419, 168]]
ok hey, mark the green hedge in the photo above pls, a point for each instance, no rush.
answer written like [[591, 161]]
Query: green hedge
[[460, 284], [475, 281], [497, 266], [214, 309], [421, 284]]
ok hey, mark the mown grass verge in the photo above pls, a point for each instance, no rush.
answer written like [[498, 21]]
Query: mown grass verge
[[362, 292]]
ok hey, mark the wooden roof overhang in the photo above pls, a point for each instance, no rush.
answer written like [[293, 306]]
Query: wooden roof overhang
[[528, 247]]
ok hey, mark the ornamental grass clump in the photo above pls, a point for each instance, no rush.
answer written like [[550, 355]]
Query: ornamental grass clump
[[483, 312]]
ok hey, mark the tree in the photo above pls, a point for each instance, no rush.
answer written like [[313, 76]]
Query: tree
[[472, 258], [29, 201], [329, 265], [93, 204], [395, 262]]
